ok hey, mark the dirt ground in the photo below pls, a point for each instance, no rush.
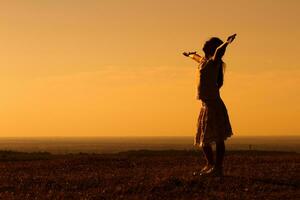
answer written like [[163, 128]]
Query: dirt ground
[[148, 175]]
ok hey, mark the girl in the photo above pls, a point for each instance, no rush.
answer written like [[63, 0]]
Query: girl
[[213, 122]]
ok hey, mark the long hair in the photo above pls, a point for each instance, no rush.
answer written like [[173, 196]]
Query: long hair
[[209, 49]]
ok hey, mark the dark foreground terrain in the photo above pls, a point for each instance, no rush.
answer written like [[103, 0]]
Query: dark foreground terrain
[[148, 175]]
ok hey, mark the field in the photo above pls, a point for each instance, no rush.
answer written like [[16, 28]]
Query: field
[[148, 175]]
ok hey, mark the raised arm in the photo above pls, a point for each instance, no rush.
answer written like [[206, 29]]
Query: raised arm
[[193, 55], [220, 51]]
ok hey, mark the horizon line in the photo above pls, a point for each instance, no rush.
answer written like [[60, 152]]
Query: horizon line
[[138, 136]]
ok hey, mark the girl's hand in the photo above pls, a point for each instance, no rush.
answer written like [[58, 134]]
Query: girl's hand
[[188, 53], [231, 38]]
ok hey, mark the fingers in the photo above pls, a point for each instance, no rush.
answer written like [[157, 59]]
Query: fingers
[[189, 53], [231, 38], [185, 54]]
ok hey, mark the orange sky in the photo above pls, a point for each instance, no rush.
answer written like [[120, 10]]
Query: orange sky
[[114, 67]]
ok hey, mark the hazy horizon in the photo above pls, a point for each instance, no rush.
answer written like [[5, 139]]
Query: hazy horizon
[[64, 145], [154, 136]]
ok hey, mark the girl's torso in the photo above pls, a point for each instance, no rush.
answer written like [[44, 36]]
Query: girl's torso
[[208, 83]]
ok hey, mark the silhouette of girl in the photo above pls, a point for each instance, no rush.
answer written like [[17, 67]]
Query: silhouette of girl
[[213, 122]]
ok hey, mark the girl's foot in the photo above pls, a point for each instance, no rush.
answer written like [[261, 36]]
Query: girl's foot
[[214, 171], [203, 170], [206, 168]]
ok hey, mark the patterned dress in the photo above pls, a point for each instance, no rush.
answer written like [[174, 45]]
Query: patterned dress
[[213, 121]]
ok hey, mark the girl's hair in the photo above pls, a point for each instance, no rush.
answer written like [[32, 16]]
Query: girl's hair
[[209, 49]]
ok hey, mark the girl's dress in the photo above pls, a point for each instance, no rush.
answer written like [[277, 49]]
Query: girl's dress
[[213, 121]]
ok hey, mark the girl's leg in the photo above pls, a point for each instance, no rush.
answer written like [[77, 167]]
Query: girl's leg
[[220, 151], [217, 169], [208, 153]]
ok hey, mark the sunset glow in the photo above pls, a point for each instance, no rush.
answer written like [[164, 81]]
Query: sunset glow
[[115, 67]]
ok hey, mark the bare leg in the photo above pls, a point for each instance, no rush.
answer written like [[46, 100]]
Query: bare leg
[[208, 153], [220, 151]]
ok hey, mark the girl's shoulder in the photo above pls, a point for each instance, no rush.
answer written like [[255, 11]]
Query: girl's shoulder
[[206, 63], [202, 63]]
